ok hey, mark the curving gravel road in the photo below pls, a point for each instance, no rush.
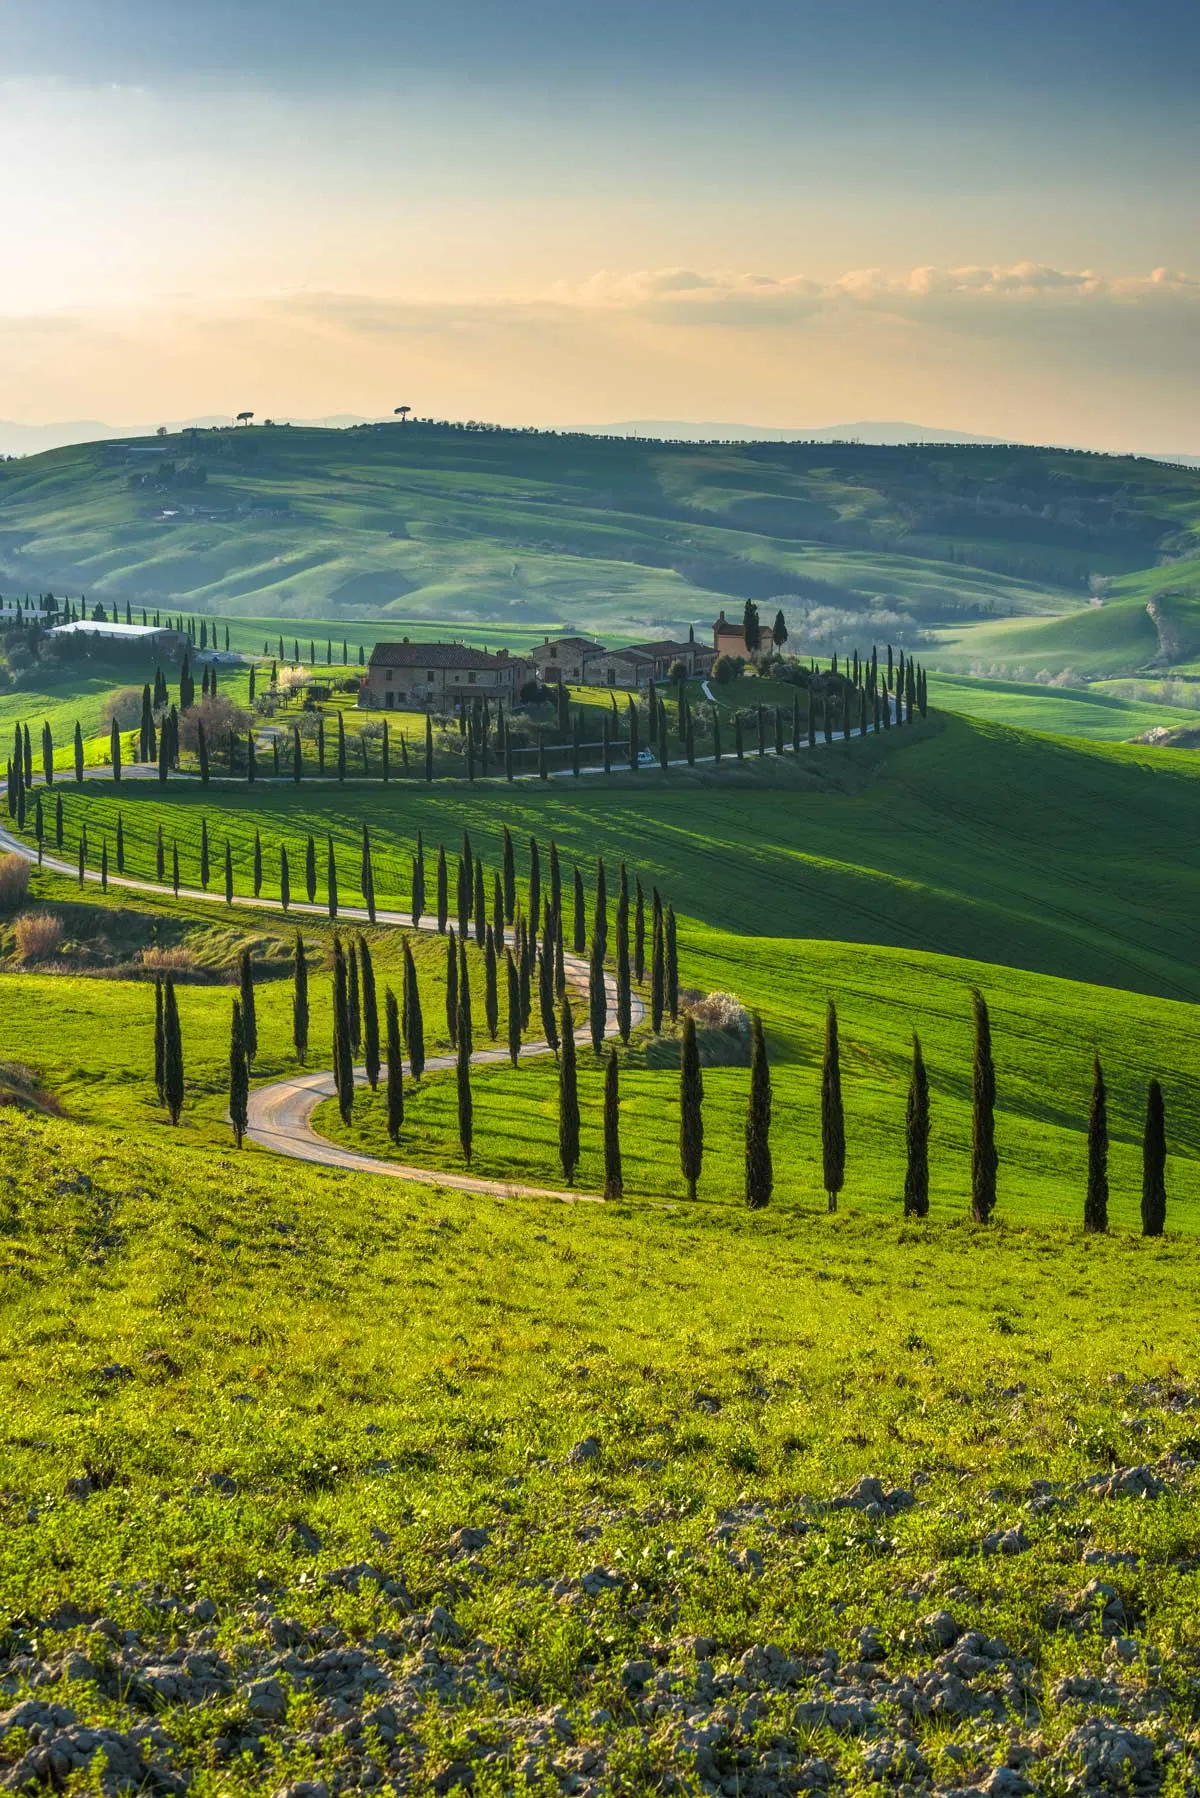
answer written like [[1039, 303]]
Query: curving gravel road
[[280, 1115]]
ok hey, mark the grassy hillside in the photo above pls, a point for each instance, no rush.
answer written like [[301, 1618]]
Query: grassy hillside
[[519, 529], [1088, 712], [1062, 858]]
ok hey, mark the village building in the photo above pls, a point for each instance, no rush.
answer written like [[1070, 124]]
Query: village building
[[161, 639], [729, 639], [563, 658], [661, 656], [438, 676], [617, 668]]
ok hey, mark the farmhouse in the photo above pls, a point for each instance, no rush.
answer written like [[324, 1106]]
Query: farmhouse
[[587, 664], [729, 639], [438, 676], [563, 658]]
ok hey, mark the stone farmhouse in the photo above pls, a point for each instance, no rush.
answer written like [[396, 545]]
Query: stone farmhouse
[[440, 677], [583, 663]]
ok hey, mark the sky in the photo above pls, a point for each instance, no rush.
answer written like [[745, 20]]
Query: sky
[[978, 217]]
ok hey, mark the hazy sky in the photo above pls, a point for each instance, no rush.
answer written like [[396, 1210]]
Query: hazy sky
[[985, 217]]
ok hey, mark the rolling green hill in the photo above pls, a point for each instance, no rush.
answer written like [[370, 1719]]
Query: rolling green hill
[[444, 525]]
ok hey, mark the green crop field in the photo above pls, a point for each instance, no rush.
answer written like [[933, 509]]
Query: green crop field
[[318, 1481]]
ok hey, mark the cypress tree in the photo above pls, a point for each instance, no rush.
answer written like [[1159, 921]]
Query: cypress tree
[[228, 873], [607, 734], [639, 934], [341, 747], [497, 912], [464, 997], [47, 756], [160, 1047], [20, 801], [114, 750], [1095, 1209], [739, 741], [120, 836], [560, 964], [251, 763], [352, 1005], [833, 1122], [258, 865], [443, 890], [78, 754], [535, 888], [510, 878], [368, 876], [546, 994], [285, 879], [984, 1159], [491, 1000], [204, 854], [39, 831], [600, 915], [58, 821], [633, 736], [452, 988], [331, 886], [760, 1176], [248, 1012], [160, 866], [463, 1070], [624, 996], [239, 1076], [343, 1060], [1154, 1164], [671, 951], [568, 1097], [597, 997], [384, 745], [310, 870], [201, 751], [716, 731], [761, 724], [418, 882], [428, 747], [796, 723], [555, 867], [300, 1001], [479, 906], [525, 968], [172, 1053], [512, 982], [320, 745], [658, 971], [916, 1130], [812, 719], [395, 1069], [691, 1098], [370, 1013], [414, 1026], [614, 1185], [175, 867], [297, 756]]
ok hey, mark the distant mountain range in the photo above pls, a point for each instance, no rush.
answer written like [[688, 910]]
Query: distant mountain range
[[31, 440]]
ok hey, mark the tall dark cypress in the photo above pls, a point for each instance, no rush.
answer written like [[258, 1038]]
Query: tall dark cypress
[[1095, 1209], [465, 1020], [498, 912], [258, 865], [614, 1184], [555, 867], [568, 1096], [624, 995], [691, 1100], [414, 1024], [639, 933], [671, 952], [428, 747], [466, 1120], [343, 1057], [395, 1068], [452, 988], [228, 873], [512, 983], [1154, 1163], [535, 888], [491, 996], [78, 754], [341, 747], [418, 882], [58, 821], [525, 961], [239, 1075], [984, 1159], [47, 756], [331, 885], [597, 997], [205, 868], [352, 1002], [172, 1053], [916, 1132], [248, 1010], [833, 1122], [479, 906], [760, 1177], [546, 994], [658, 969], [120, 836], [160, 1051], [300, 1001], [160, 863], [368, 878], [600, 914], [285, 879], [297, 756], [370, 1012], [175, 867], [443, 890], [510, 878]]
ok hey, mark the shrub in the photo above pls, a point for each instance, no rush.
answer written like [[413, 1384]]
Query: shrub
[[14, 881], [38, 935], [727, 668], [219, 716], [721, 1011], [177, 960], [125, 705]]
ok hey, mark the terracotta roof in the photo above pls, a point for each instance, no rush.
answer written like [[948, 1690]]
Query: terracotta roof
[[664, 647], [569, 643], [433, 655]]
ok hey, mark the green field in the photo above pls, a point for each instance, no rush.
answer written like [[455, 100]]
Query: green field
[[320, 1482], [1088, 712]]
